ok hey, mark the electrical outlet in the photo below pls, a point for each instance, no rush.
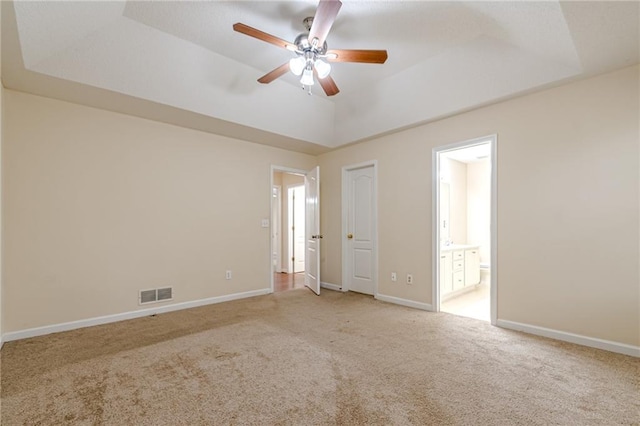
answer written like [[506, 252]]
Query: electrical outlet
[[227, 275], [394, 277], [409, 279]]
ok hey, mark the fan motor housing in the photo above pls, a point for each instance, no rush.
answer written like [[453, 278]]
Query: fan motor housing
[[303, 45]]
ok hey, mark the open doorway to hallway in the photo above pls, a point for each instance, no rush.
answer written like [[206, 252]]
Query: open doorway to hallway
[[288, 231], [464, 206]]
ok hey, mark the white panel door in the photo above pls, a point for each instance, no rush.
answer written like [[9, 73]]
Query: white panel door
[[312, 228], [361, 262]]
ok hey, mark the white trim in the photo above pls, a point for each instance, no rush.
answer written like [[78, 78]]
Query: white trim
[[66, 326], [329, 286], [435, 229], [345, 203], [404, 302], [592, 342], [493, 226]]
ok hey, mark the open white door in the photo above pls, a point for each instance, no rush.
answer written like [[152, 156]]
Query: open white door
[[312, 229]]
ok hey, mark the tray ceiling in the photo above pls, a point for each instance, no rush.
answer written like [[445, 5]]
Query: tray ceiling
[[182, 63]]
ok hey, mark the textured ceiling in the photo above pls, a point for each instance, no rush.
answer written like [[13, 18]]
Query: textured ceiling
[[181, 62]]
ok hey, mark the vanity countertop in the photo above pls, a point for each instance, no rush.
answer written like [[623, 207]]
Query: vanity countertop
[[452, 247]]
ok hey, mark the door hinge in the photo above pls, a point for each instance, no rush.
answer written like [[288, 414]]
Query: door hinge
[[293, 259]]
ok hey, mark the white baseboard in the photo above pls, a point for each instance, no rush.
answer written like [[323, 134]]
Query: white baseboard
[[66, 326], [404, 302], [592, 342], [330, 286]]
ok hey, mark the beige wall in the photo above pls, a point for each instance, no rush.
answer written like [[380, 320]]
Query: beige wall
[[1, 224], [277, 178], [568, 190], [1, 220], [98, 205], [1, 208]]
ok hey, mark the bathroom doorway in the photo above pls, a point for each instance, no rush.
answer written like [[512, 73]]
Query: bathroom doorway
[[464, 225]]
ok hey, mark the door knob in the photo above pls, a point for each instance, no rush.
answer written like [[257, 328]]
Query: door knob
[[349, 235]]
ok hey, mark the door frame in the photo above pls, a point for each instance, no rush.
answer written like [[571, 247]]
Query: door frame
[[435, 215], [283, 169], [345, 203]]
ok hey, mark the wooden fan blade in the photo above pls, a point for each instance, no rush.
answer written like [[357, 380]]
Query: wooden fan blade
[[328, 85], [272, 75], [364, 56], [323, 20], [261, 35]]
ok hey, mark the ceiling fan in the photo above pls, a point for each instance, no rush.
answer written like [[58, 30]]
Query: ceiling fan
[[312, 55]]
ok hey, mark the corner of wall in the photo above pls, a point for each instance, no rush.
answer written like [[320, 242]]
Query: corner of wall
[[1, 132], [1, 244]]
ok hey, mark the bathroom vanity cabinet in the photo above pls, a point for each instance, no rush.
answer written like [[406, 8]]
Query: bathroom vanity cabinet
[[459, 268]]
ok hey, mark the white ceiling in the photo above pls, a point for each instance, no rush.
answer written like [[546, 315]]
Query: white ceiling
[[182, 63]]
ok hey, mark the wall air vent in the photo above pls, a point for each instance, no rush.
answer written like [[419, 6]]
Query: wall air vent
[[148, 296], [165, 293], [155, 295]]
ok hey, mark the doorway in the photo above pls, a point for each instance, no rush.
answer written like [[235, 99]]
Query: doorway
[[464, 187], [295, 229], [287, 225], [360, 229]]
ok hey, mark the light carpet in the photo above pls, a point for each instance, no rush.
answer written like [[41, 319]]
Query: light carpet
[[296, 358]]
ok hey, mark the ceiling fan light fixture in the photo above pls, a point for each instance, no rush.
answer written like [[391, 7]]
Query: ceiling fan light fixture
[[323, 68], [307, 77], [312, 54], [297, 64]]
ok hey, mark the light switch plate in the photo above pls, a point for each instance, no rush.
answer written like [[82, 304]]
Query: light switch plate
[[265, 223]]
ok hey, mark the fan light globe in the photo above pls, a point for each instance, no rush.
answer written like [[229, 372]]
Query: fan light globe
[[307, 77], [323, 68], [296, 65]]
